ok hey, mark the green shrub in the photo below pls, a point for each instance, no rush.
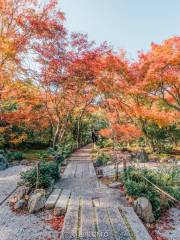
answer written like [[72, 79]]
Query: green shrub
[[135, 189], [104, 143], [166, 179], [43, 155], [66, 149], [166, 148], [2, 141], [154, 198], [48, 171], [51, 151], [102, 159], [29, 179], [11, 156], [58, 158]]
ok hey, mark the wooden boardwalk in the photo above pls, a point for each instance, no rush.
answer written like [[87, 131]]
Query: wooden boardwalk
[[92, 211]]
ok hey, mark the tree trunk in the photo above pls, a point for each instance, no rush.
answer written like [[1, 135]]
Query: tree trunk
[[55, 138]]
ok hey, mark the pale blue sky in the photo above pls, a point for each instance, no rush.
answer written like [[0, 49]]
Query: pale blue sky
[[128, 24]]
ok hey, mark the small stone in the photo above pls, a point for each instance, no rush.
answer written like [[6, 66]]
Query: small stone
[[59, 212], [143, 208], [142, 156], [172, 160], [133, 155], [100, 176], [12, 201], [41, 191], [26, 197], [22, 191], [20, 204], [36, 201], [115, 185], [14, 163], [24, 162]]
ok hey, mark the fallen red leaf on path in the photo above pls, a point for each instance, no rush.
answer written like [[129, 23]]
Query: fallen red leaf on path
[[23, 211], [154, 234], [56, 222]]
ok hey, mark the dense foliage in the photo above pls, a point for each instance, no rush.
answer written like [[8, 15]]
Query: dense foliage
[[48, 172], [102, 159], [166, 179], [78, 85], [11, 156]]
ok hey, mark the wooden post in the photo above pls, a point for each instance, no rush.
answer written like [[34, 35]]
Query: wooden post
[[117, 171], [124, 164], [37, 175]]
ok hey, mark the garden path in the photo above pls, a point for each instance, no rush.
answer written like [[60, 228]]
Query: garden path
[[92, 210], [21, 226]]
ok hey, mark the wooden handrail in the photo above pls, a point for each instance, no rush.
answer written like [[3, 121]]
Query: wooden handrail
[[159, 189]]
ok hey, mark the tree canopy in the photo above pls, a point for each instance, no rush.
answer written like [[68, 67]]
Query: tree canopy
[[53, 82]]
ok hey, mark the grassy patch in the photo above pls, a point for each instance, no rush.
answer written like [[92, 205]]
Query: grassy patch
[[36, 154]]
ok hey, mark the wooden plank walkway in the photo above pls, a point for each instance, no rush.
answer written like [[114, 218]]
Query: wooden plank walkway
[[119, 228], [103, 224], [70, 228], [51, 201], [87, 224], [91, 209], [62, 202], [138, 228]]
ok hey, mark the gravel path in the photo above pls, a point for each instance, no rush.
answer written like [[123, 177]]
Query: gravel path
[[9, 179], [24, 226], [109, 170]]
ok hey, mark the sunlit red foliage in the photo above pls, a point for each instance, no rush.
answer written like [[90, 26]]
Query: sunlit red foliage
[[48, 75]]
